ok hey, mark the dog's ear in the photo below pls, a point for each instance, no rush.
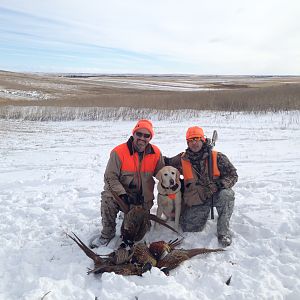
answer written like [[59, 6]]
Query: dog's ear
[[158, 175], [177, 176]]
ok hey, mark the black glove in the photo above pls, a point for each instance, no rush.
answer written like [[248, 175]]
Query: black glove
[[219, 184], [166, 160], [125, 198], [139, 200]]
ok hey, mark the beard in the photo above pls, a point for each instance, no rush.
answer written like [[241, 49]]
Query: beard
[[140, 145]]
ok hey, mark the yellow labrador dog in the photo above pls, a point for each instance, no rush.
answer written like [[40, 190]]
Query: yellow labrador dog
[[169, 195]]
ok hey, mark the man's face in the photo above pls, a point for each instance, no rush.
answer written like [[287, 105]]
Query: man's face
[[141, 139], [195, 144]]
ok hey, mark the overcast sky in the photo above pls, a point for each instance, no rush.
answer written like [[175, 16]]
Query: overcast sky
[[235, 37]]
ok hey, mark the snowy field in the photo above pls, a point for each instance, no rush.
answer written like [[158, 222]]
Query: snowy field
[[18, 95], [51, 176]]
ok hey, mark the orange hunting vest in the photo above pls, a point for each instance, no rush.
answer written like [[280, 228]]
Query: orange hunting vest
[[188, 171], [130, 163]]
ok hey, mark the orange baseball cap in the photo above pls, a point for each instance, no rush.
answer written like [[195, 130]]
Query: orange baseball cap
[[194, 132]]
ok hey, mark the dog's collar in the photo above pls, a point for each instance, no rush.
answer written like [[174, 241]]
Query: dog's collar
[[174, 188], [170, 196]]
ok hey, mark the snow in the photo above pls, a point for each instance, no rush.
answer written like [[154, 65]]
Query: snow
[[50, 183], [23, 95], [174, 85]]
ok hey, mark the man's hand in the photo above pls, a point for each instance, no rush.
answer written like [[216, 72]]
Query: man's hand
[[219, 184], [125, 198]]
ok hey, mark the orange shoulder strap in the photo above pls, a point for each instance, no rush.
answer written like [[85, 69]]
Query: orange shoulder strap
[[187, 169], [216, 171]]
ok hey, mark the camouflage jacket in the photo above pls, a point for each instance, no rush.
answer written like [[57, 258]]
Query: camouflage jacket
[[201, 187], [128, 173]]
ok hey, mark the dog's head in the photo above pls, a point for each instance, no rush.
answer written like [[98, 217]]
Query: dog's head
[[168, 176]]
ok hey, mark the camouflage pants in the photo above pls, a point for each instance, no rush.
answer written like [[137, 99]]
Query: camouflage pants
[[194, 218], [109, 212]]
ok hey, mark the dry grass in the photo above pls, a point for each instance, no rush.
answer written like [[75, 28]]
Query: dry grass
[[230, 93]]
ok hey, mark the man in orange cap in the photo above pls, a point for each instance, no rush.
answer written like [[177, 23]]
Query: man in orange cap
[[201, 189], [129, 173]]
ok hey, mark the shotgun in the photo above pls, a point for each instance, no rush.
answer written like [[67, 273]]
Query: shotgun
[[211, 143]]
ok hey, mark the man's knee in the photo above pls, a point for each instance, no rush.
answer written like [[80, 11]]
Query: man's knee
[[194, 218], [109, 212], [225, 204], [226, 194], [225, 198], [108, 203]]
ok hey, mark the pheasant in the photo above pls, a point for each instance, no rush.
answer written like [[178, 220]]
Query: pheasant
[[142, 256], [136, 220], [98, 260], [135, 225], [117, 261], [119, 256], [177, 256], [123, 269], [161, 248]]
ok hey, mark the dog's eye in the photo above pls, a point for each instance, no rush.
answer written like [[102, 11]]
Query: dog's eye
[[166, 174], [173, 173]]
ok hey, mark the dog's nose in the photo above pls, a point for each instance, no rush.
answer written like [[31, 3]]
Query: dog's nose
[[171, 181]]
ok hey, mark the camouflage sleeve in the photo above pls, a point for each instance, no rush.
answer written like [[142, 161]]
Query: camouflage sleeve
[[112, 174], [174, 161], [228, 174], [160, 164]]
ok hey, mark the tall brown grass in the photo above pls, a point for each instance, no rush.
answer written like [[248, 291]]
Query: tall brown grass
[[278, 98], [236, 94]]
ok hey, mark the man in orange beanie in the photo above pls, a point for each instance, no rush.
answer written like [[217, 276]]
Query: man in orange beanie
[[200, 189], [129, 173]]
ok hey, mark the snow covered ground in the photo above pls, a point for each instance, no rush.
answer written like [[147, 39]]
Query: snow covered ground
[[23, 95], [51, 176], [170, 84]]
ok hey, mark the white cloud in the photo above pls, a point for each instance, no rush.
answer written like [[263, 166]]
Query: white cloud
[[233, 37]]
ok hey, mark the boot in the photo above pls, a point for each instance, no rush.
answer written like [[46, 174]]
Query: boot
[[225, 240], [99, 241]]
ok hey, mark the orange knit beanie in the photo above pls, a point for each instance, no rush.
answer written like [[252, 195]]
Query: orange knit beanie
[[146, 124]]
